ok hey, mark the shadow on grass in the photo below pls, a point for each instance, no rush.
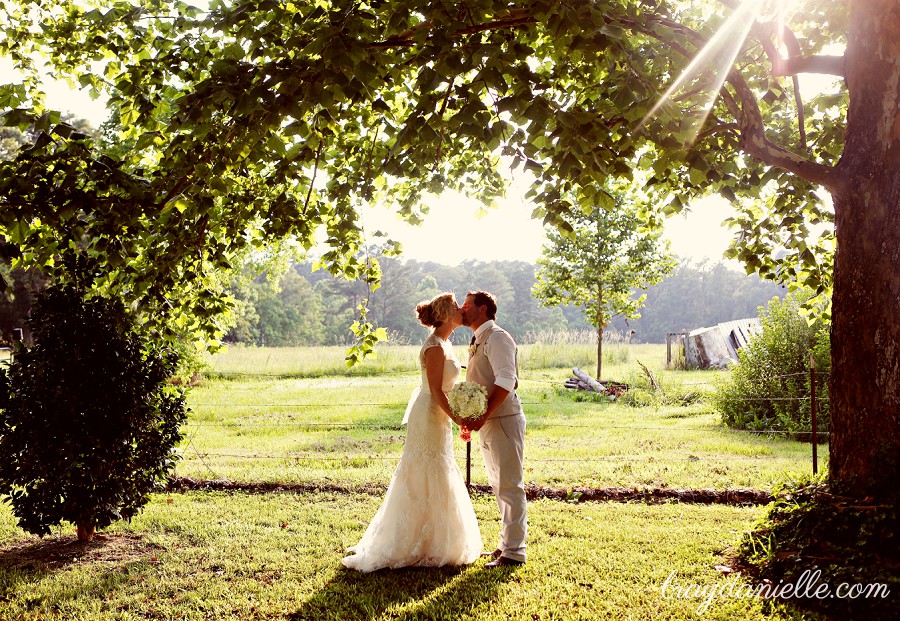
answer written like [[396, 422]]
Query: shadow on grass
[[414, 593], [110, 557]]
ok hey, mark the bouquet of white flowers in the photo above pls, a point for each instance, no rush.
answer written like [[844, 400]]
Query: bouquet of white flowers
[[468, 400]]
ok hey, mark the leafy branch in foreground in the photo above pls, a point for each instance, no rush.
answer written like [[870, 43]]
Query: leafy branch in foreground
[[321, 108]]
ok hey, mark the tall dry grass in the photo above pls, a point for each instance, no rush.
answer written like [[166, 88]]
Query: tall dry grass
[[548, 349], [543, 350]]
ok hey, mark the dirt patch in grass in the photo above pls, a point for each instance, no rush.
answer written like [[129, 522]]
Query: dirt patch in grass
[[187, 484], [63, 551], [533, 492]]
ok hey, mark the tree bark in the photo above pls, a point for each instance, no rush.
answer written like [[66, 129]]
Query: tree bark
[[589, 382], [599, 351], [865, 338], [85, 532]]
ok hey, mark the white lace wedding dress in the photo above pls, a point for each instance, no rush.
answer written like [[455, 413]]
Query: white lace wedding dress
[[426, 518]]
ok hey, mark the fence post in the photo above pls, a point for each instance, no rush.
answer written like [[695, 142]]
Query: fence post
[[815, 430], [18, 342], [469, 463]]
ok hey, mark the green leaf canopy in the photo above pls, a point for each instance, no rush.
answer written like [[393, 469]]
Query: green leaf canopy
[[289, 117]]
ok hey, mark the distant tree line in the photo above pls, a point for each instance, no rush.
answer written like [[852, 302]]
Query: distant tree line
[[307, 307], [698, 295]]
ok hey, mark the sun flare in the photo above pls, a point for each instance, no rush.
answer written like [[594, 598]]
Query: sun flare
[[710, 67]]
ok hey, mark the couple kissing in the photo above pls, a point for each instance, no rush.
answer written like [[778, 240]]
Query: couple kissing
[[426, 518]]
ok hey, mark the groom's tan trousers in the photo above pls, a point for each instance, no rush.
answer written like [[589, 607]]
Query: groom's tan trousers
[[502, 445]]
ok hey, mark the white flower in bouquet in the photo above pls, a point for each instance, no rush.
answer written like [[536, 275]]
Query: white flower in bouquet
[[468, 400]]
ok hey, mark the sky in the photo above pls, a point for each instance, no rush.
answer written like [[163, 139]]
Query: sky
[[453, 231]]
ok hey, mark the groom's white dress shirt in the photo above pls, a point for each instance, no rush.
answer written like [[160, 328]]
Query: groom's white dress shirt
[[495, 364]]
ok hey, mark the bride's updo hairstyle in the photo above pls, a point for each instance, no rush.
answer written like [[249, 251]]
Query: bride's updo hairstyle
[[437, 311]]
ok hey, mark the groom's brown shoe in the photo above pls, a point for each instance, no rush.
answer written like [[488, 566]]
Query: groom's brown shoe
[[503, 562], [492, 555]]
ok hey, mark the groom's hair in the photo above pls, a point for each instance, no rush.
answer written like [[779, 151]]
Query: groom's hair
[[483, 298]]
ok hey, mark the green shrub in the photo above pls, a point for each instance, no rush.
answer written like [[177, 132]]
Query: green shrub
[[769, 390], [88, 417], [193, 361], [809, 533]]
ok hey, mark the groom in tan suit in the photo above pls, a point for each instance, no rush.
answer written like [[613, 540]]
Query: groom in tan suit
[[493, 364]]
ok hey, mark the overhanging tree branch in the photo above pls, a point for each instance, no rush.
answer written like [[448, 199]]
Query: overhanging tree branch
[[516, 17], [749, 117], [176, 189], [765, 33], [724, 127], [795, 62], [755, 143], [827, 65]]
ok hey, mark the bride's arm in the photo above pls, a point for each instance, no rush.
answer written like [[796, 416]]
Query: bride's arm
[[434, 371]]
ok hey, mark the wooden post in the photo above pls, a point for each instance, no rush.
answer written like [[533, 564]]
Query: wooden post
[[815, 434], [469, 463], [18, 342]]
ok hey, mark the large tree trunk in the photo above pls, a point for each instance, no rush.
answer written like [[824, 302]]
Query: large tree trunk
[[865, 339]]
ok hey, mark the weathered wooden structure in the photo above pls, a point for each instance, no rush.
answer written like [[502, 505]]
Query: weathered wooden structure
[[714, 347]]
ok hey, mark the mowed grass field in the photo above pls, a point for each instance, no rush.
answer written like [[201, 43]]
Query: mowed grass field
[[297, 415]]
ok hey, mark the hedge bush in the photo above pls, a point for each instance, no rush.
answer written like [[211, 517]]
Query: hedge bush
[[88, 416]]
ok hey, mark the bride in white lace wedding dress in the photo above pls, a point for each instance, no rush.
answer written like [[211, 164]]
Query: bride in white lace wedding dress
[[426, 518]]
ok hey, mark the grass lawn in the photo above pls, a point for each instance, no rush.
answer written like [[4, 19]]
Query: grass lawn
[[277, 556], [216, 555], [314, 423]]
